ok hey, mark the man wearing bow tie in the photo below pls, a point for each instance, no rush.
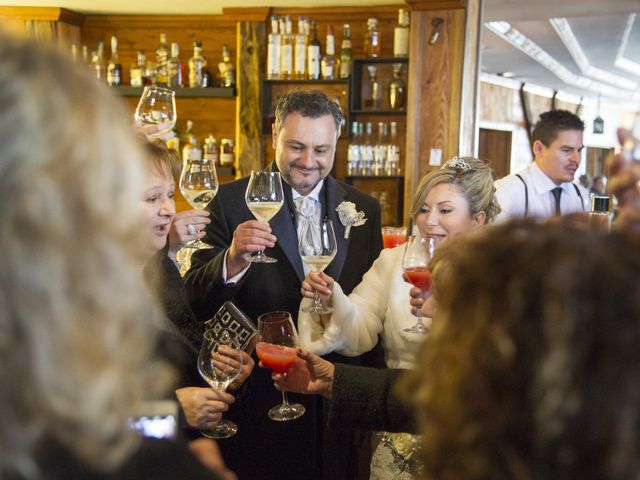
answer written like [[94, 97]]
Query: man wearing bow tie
[[305, 136]]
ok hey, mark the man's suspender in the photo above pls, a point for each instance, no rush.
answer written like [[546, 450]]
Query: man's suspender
[[526, 195]]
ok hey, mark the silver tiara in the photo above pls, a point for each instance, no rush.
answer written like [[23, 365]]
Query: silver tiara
[[457, 164]]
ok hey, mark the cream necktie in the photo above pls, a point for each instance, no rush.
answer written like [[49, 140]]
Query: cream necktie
[[308, 222]]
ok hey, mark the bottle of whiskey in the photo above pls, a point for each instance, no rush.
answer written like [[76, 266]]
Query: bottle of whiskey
[[211, 150], [300, 50], [162, 57], [372, 40], [286, 48], [374, 100], [273, 51], [150, 73], [401, 34], [313, 53], [97, 62], [397, 89], [136, 71], [328, 62], [114, 69], [345, 52], [175, 68], [226, 69], [197, 66]]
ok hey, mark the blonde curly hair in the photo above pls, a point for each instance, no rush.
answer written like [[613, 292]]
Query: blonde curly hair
[[74, 338]]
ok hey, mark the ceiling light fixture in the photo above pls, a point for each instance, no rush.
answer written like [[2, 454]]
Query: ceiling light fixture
[[564, 31], [523, 43]]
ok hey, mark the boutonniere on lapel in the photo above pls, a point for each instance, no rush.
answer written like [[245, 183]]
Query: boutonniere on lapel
[[350, 217]]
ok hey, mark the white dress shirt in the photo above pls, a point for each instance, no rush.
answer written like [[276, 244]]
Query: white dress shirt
[[511, 194]]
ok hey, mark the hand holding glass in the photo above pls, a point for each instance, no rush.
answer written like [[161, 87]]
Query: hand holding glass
[[157, 105], [276, 350], [318, 253], [264, 199], [417, 254], [218, 368]]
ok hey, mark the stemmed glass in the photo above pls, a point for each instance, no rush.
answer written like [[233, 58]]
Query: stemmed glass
[[198, 185], [318, 253], [264, 198], [219, 369], [156, 105], [276, 350], [417, 254]]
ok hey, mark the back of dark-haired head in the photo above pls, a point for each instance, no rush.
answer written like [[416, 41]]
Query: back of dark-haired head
[[308, 103], [553, 122]]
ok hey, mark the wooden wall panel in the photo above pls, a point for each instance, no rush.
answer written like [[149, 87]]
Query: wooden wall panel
[[435, 74]]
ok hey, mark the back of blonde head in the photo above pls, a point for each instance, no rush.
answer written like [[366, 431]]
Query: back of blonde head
[[73, 345]]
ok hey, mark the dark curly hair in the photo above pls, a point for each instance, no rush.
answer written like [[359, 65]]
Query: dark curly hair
[[531, 369]]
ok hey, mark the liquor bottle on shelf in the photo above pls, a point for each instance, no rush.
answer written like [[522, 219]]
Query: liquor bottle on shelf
[[150, 73], [197, 66], [401, 34], [372, 44], [368, 151], [353, 153], [393, 151], [226, 69], [226, 152], [137, 70], [174, 142], [114, 69], [162, 57], [175, 67], [211, 150], [328, 62], [85, 55], [97, 62], [273, 51], [345, 52], [192, 150], [397, 89], [380, 150], [186, 136], [373, 100], [300, 50], [286, 48], [313, 53]]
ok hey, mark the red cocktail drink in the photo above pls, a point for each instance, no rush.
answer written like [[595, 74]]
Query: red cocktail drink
[[419, 276], [277, 357]]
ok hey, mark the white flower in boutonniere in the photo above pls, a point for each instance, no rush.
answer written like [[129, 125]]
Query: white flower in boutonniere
[[350, 217]]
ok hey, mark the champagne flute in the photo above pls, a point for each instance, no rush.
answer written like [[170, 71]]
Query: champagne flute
[[264, 198], [417, 254], [156, 105], [318, 254], [198, 185], [219, 369], [276, 350]]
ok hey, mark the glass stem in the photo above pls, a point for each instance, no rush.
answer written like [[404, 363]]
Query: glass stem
[[285, 400], [317, 303]]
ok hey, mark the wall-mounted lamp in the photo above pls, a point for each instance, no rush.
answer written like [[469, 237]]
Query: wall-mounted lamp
[[436, 25]]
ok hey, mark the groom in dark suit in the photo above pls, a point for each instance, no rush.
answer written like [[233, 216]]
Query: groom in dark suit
[[305, 135]]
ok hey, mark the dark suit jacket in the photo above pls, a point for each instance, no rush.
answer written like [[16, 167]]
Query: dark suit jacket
[[364, 398], [263, 448]]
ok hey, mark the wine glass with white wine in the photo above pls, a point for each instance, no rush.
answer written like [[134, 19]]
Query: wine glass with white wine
[[264, 198], [318, 252], [198, 185]]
